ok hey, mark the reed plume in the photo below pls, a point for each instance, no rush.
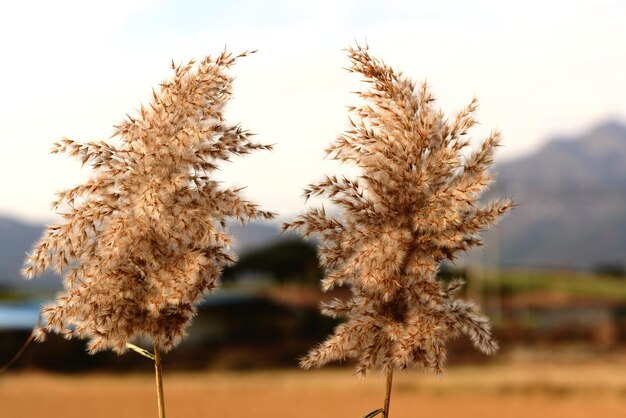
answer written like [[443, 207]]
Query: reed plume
[[413, 205], [145, 237]]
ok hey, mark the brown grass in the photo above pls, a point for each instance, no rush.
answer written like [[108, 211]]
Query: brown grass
[[413, 205], [512, 390], [145, 238]]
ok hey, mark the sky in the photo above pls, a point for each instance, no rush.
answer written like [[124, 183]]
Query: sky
[[75, 68]]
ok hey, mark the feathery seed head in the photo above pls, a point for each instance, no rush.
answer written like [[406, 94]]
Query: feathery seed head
[[143, 239], [414, 204]]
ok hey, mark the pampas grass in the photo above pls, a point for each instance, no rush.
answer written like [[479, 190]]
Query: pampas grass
[[413, 205], [144, 239]]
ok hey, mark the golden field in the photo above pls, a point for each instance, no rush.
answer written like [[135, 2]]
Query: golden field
[[584, 388]]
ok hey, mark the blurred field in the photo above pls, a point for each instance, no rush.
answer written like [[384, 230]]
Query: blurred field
[[515, 389], [563, 354], [573, 283]]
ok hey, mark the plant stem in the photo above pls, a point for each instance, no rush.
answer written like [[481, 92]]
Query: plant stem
[[388, 395], [159, 380]]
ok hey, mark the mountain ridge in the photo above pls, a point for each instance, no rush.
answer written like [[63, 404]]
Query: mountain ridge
[[572, 211], [572, 202]]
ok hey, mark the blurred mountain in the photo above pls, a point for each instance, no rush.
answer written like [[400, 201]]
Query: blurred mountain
[[572, 203], [571, 213], [17, 237], [253, 235]]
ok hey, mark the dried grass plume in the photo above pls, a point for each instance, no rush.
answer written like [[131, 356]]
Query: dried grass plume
[[144, 238], [414, 205]]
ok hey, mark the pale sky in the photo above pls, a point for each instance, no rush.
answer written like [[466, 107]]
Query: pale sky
[[74, 68]]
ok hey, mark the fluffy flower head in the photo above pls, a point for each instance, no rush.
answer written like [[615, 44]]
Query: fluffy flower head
[[414, 204], [144, 238]]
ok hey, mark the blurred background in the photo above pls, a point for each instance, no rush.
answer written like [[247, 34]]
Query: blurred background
[[552, 275]]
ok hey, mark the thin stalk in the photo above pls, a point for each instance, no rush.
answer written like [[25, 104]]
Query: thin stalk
[[18, 354], [159, 380], [388, 395], [21, 350]]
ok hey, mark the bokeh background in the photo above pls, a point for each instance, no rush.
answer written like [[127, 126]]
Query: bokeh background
[[552, 275]]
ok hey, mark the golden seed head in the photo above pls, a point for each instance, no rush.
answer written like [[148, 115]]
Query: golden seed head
[[414, 204], [143, 238]]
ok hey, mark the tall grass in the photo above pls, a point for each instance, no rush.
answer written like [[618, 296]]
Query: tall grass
[[413, 205], [144, 239]]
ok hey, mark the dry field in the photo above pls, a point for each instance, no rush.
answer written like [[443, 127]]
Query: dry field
[[520, 389]]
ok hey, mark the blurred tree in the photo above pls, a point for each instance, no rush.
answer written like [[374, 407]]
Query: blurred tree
[[290, 260], [610, 269]]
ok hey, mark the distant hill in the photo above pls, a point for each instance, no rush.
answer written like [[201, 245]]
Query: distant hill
[[572, 202], [17, 237], [253, 235], [572, 211]]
